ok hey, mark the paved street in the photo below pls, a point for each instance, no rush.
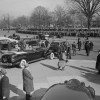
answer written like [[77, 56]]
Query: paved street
[[45, 75]]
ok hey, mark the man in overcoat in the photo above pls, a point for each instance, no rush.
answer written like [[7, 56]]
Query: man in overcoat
[[87, 48], [98, 62], [5, 91], [27, 81]]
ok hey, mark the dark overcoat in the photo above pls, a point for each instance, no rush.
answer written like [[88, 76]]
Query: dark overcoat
[[0, 90], [27, 81], [98, 63], [5, 86]]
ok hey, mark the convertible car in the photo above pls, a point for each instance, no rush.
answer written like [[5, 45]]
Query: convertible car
[[14, 58]]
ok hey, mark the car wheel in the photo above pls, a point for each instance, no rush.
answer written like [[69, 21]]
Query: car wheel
[[23, 61], [52, 56]]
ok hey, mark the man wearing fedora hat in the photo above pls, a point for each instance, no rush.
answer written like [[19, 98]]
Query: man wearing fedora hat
[[27, 81], [5, 92]]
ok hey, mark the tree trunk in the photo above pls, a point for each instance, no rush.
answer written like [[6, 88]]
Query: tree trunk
[[89, 22]]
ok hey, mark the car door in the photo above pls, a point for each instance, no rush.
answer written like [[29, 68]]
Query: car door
[[39, 53]]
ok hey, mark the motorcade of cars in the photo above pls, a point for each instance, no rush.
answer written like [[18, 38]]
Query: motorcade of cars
[[29, 55]]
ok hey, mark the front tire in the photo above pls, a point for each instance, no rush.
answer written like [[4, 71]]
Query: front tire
[[51, 56], [22, 63]]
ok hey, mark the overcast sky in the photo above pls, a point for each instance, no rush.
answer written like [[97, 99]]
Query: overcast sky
[[25, 7]]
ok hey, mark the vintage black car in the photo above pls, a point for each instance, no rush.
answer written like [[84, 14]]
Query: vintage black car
[[14, 58], [54, 48]]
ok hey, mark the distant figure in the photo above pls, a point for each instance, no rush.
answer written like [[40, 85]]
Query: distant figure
[[79, 45], [68, 53], [27, 81], [74, 48], [46, 43], [4, 35], [4, 85], [98, 62], [9, 46], [87, 48], [62, 60], [91, 45]]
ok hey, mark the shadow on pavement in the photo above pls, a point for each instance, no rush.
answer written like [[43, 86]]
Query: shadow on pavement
[[82, 69], [37, 95], [89, 68], [89, 73], [82, 54], [49, 66]]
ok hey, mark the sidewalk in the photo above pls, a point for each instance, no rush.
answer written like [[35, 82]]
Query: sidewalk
[[45, 75]]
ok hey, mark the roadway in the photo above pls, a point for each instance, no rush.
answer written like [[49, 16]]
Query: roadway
[[45, 75]]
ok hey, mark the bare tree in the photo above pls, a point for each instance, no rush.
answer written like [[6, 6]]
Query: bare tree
[[60, 16], [40, 17], [22, 20], [77, 17], [89, 8]]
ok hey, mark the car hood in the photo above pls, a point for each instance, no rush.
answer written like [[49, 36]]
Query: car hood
[[14, 52]]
